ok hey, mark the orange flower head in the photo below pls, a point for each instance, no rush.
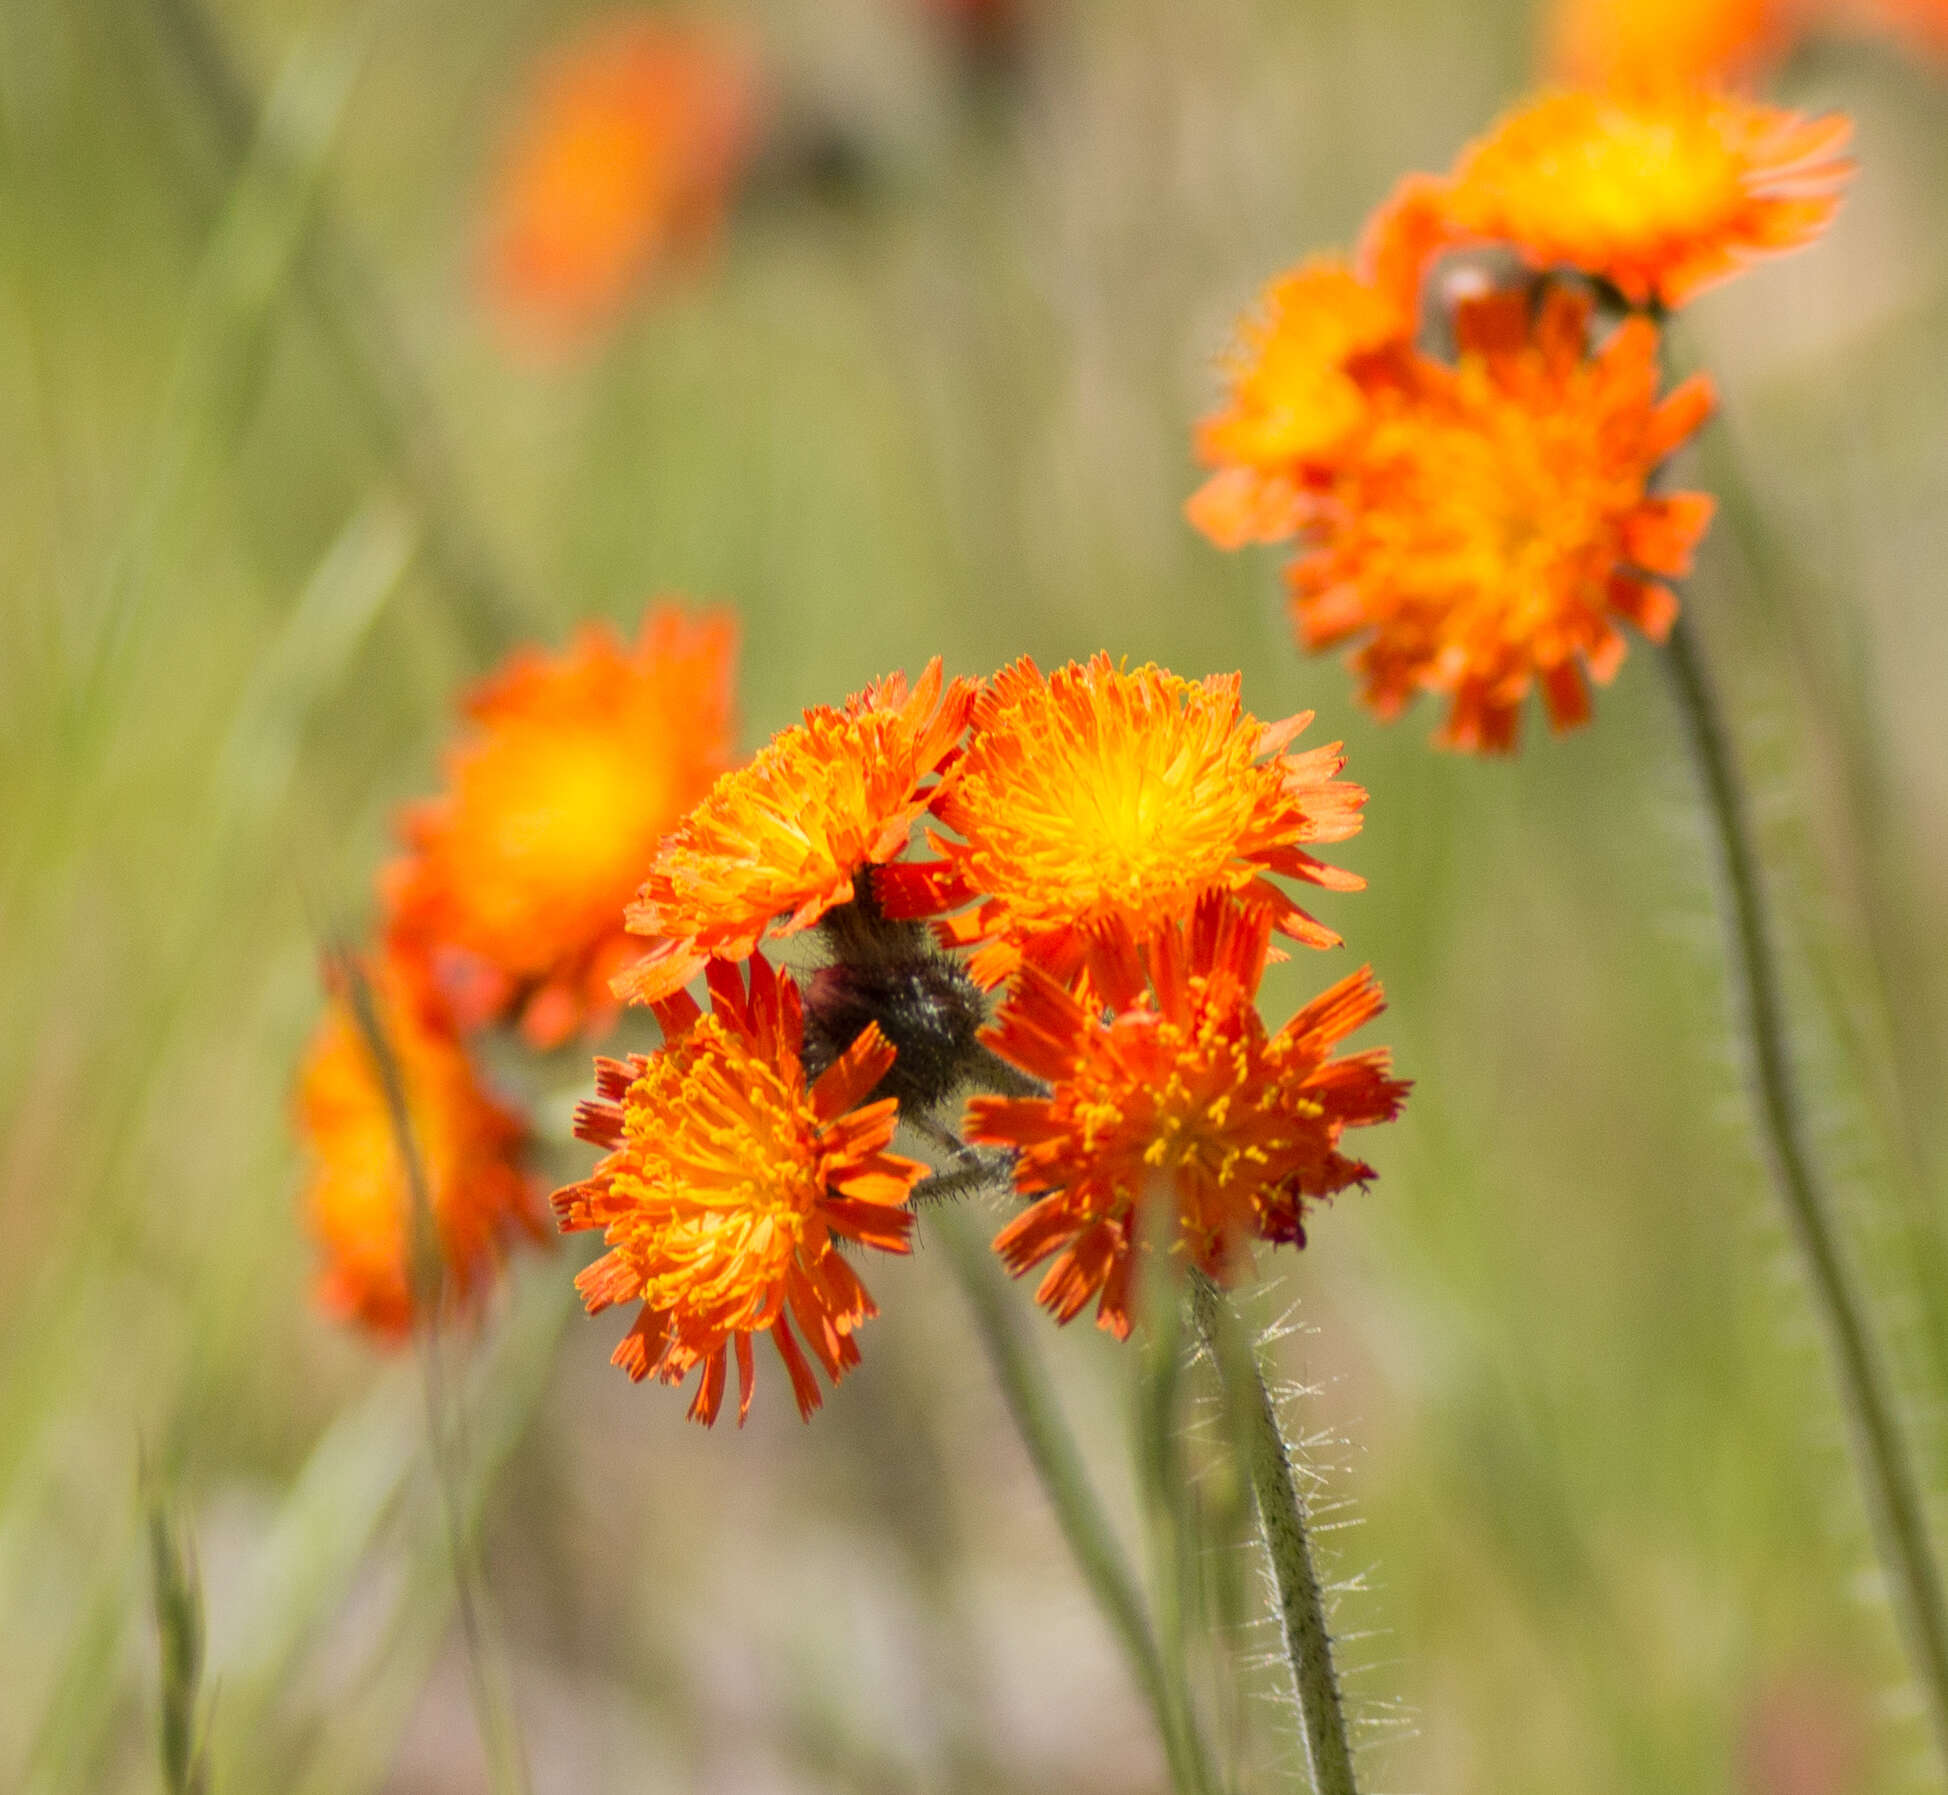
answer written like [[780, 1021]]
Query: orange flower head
[[1644, 45], [515, 879], [357, 1192], [1658, 192], [624, 160], [729, 1185], [779, 842], [1298, 380], [1406, 232], [1499, 519], [1093, 795], [1174, 1118]]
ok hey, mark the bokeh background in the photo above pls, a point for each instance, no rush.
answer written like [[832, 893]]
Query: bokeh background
[[274, 485]]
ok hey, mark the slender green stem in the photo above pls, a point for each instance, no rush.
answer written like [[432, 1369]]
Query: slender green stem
[[358, 329], [1282, 1524], [1065, 1479], [500, 1734], [1881, 1453]]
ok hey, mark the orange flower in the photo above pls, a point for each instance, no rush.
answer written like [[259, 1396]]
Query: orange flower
[[1659, 193], [1176, 1118], [357, 1192], [786, 836], [1093, 795], [515, 880], [728, 1186], [1299, 381], [1650, 44], [1498, 519], [624, 159]]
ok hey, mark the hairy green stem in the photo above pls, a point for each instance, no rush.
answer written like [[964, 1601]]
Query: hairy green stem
[[1065, 1479], [1880, 1452], [1282, 1525]]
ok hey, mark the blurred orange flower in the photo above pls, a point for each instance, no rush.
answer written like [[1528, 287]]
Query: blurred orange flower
[[729, 1185], [779, 842], [1175, 1119], [624, 158], [357, 1193], [1658, 193], [515, 879], [1650, 44], [1092, 795], [1497, 520], [1299, 381], [1922, 24]]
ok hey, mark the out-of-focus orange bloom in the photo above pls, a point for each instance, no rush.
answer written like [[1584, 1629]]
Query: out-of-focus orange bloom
[[1497, 519], [1092, 795], [728, 1186], [624, 158], [1299, 380], [1404, 235], [1923, 24], [1175, 1119], [357, 1193], [1658, 193], [779, 842], [1650, 44], [515, 879]]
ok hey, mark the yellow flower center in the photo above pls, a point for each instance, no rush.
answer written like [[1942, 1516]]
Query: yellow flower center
[[1502, 517], [1645, 174], [562, 819], [725, 1171], [1183, 1112], [1139, 796]]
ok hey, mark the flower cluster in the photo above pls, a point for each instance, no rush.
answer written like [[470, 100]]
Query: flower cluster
[[1112, 850], [505, 908], [1477, 523], [1107, 843]]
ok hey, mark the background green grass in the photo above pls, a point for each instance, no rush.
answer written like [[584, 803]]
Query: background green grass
[[271, 491]]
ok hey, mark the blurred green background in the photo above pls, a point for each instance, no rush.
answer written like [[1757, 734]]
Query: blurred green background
[[272, 490]]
